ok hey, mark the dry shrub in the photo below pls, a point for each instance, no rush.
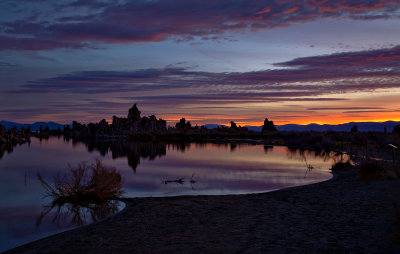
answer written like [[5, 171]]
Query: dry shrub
[[370, 169], [93, 183]]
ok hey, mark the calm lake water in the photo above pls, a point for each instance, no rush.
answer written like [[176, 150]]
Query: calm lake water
[[215, 169]]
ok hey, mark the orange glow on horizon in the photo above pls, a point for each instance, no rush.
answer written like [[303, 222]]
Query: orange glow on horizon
[[337, 121], [300, 121]]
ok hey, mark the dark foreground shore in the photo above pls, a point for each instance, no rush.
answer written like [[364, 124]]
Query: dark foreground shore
[[342, 215]]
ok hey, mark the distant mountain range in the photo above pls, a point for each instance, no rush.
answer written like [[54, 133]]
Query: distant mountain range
[[362, 126], [34, 126]]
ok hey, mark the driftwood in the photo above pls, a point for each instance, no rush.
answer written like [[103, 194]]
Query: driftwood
[[179, 181]]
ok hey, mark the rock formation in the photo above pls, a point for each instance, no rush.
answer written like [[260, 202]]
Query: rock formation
[[121, 126], [268, 126]]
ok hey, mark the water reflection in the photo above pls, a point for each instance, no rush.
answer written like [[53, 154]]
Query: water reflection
[[87, 189], [268, 149], [202, 168], [78, 213], [5, 149], [303, 154], [133, 151]]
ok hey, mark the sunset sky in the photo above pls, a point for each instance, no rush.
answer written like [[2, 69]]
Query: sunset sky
[[211, 61]]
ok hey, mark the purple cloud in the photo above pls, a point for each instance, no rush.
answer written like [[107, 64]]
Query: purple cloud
[[12, 42], [318, 78], [346, 108], [143, 21], [351, 71], [7, 65], [371, 60]]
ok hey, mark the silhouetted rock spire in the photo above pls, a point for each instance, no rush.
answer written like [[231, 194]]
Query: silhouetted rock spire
[[233, 125], [268, 125], [120, 126], [134, 114], [182, 124]]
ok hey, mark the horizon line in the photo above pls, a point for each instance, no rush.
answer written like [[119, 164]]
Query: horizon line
[[253, 124]]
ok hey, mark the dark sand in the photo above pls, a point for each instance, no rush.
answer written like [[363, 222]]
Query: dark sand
[[342, 215]]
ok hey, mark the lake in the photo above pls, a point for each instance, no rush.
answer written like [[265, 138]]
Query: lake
[[147, 170]]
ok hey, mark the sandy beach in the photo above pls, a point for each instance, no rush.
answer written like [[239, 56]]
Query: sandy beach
[[341, 215]]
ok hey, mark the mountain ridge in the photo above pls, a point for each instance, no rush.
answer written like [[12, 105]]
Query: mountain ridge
[[362, 126], [34, 126]]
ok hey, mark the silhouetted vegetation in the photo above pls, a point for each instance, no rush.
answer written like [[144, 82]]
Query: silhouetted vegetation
[[370, 169], [88, 183], [87, 189], [12, 137], [396, 129], [45, 133], [377, 169]]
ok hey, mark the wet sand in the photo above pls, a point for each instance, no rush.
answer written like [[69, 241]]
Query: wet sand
[[342, 215]]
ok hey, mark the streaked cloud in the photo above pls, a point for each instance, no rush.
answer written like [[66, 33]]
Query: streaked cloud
[[87, 60], [206, 95], [7, 65], [302, 77], [81, 24], [347, 108]]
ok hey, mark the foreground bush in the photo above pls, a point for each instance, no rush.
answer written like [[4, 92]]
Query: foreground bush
[[370, 169], [92, 183]]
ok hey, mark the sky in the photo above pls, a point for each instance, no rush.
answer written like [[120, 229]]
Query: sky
[[210, 61]]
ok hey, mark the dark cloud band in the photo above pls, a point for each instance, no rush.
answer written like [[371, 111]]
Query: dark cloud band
[[144, 21]]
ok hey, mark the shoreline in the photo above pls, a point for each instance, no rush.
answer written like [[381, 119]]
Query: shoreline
[[341, 214]]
